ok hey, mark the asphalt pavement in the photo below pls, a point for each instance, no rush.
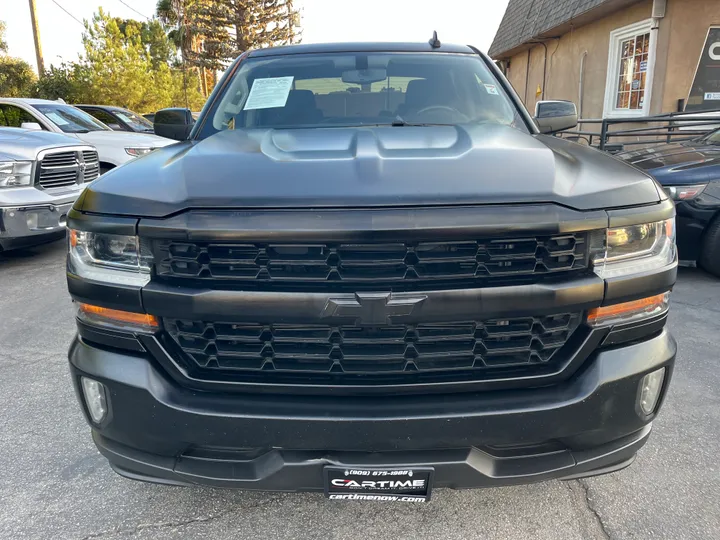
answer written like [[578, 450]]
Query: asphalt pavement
[[54, 484]]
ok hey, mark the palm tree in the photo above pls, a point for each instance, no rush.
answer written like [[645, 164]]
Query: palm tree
[[174, 13]]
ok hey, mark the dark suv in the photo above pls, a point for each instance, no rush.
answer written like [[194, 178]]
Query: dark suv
[[367, 272], [689, 171]]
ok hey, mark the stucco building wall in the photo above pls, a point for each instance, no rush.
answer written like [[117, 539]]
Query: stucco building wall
[[680, 38]]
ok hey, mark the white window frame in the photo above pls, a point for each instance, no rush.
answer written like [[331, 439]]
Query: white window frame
[[617, 36]]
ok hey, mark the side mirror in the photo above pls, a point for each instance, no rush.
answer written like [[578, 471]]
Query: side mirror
[[31, 125], [554, 116], [115, 127], [174, 123]]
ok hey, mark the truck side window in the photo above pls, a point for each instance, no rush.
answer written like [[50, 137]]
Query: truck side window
[[106, 118], [13, 116]]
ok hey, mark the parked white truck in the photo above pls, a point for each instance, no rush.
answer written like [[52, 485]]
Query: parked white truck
[[41, 176], [114, 147]]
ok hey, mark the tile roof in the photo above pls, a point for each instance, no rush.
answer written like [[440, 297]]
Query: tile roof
[[526, 19]]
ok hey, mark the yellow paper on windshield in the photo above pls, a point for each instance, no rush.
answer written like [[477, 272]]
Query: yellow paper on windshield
[[269, 93]]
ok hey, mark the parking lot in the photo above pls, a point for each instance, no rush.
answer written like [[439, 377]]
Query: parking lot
[[54, 484]]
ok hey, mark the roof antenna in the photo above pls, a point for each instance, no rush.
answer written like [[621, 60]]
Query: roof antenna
[[435, 42]]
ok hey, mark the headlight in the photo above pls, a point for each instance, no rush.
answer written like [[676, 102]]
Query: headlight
[[684, 193], [112, 258], [138, 151], [15, 173], [636, 249]]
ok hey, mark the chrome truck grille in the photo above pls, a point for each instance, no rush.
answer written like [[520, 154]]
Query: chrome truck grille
[[57, 169]]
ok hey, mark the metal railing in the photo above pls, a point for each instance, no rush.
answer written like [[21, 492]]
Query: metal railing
[[670, 127]]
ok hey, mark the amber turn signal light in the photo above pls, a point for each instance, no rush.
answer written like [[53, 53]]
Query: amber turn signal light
[[629, 311], [97, 314]]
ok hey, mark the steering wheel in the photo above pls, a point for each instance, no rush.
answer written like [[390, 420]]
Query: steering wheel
[[443, 108]]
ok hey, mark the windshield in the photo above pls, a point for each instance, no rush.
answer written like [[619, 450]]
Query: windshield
[[345, 89], [69, 119], [135, 121], [713, 138]]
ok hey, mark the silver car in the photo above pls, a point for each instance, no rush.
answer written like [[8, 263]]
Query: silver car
[[41, 176]]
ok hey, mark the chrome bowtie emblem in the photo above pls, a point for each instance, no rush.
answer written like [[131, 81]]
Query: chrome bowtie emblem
[[371, 309]]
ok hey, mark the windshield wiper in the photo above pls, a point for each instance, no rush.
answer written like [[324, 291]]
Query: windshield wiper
[[398, 121]]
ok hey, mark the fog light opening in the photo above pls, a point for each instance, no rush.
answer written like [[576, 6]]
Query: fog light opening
[[650, 387], [95, 399], [32, 220]]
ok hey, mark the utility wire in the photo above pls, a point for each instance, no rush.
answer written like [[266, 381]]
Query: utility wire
[[132, 8], [66, 11]]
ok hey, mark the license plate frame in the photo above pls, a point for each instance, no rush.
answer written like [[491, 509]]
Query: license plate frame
[[380, 484]]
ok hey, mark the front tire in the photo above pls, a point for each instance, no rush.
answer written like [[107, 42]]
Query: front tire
[[710, 249]]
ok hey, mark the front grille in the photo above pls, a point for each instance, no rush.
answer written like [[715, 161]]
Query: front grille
[[394, 354], [60, 159], [67, 168], [61, 178], [92, 165], [373, 265]]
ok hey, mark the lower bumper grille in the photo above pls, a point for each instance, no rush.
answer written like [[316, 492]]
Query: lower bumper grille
[[394, 354]]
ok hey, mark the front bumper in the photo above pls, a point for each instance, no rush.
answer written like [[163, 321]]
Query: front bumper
[[29, 225], [159, 431]]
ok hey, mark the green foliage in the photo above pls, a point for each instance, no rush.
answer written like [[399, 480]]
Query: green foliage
[[68, 81], [17, 78], [164, 62], [212, 33], [3, 42], [126, 63]]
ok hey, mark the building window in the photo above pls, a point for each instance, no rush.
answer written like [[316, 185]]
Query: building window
[[630, 65]]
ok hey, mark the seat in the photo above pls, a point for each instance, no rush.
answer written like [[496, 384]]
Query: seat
[[417, 96], [300, 108], [422, 93]]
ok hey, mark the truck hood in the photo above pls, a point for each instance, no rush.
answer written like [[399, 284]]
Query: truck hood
[[691, 162], [369, 166], [123, 139], [23, 144]]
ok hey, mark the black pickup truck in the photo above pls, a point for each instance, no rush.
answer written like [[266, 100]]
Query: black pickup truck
[[367, 270]]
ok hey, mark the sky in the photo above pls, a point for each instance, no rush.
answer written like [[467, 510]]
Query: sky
[[471, 22]]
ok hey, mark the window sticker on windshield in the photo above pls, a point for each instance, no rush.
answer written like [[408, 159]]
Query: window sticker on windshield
[[55, 117], [269, 93], [490, 89]]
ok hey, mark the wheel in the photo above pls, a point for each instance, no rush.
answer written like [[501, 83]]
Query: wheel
[[104, 169], [710, 249]]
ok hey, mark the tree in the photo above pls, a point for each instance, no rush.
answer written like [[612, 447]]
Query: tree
[[17, 78], [227, 28], [174, 15], [152, 37], [69, 81], [132, 64], [260, 23], [3, 42]]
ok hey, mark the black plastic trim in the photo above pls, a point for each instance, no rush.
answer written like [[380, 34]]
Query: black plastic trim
[[101, 224], [462, 222], [108, 338], [626, 288], [109, 295], [574, 295], [635, 332], [636, 215], [288, 470]]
